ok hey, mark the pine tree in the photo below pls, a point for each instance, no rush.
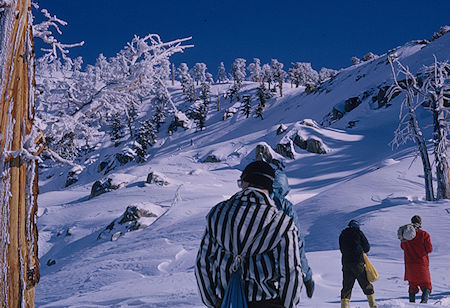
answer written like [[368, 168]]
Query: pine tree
[[202, 107], [255, 70], [201, 113], [278, 74], [246, 106], [184, 77], [199, 72], [117, 128], [238, 72], [205, 92], [146, 137], [132, 115], [191, 94], [232, 92], [221, 74], [158, 118], [267, 74], [209, 78], [263, 95]]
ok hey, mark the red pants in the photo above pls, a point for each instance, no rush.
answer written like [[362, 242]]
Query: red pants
[[414, 286]]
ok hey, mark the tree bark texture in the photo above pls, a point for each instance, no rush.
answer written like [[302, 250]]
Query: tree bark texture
[[440, 148], [19, 268]]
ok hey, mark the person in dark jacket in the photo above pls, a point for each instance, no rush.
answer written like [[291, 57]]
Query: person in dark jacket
[[353, 243], [417, 270], [250, 231]]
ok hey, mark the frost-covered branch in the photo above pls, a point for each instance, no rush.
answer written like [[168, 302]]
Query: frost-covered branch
[[44, 32], [408, 127]]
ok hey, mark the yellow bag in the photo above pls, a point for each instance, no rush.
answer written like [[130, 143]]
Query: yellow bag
[[371, 272]]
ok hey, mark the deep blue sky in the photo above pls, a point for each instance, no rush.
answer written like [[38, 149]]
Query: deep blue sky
[[326, 33]]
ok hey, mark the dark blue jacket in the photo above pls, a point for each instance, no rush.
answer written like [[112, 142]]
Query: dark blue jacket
[[352, 243]]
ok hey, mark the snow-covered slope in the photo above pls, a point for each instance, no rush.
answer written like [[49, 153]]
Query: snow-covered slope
[[360, 177]]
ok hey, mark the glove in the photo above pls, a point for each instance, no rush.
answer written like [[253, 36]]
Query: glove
[[309, 285]]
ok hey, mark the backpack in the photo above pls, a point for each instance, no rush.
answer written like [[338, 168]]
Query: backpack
[[234, 294], [406, 232]]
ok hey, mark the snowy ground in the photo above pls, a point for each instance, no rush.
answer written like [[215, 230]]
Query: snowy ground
[[361, 178]]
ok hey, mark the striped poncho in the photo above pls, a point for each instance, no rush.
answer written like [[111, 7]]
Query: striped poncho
[[248, 226]]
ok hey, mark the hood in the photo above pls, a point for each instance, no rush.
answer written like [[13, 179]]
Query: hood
[[280, 184]]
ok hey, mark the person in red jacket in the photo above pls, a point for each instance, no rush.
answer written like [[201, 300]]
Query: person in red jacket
[[417, 271]]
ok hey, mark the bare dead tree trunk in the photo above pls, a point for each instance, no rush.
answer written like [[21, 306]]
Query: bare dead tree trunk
[[440, 147], [173, 74], [410, 89], [280, 85], [422, 147], [19, 269]]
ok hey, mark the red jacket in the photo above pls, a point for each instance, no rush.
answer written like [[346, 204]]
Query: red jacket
[[416, 257]]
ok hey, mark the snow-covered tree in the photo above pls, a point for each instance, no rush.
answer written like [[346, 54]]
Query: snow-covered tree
[[238, 71], [255, 70], [158, 117], [139, 71], [131, 116], [222, 74], [117, 128], [146, 136], [302, 73], [263, 95], [209, 78], [246, 105], [233, 92], [278, 74], [326, 73], [408, 127], [355, 60], [436, 91], [199, 72], [191, 94], [369, 56], [432, 90], [267, 75], [183, 76], [199, 113], [205, 92]]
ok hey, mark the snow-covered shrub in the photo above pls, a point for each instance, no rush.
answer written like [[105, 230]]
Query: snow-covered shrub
[[355, 60], [369, 56], [443, 30]]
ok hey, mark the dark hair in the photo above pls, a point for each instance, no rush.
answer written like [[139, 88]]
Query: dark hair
[[416, 220], [354, 224], [259, 174]]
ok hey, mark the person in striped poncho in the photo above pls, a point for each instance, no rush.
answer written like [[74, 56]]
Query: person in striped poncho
[[250, 229]]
